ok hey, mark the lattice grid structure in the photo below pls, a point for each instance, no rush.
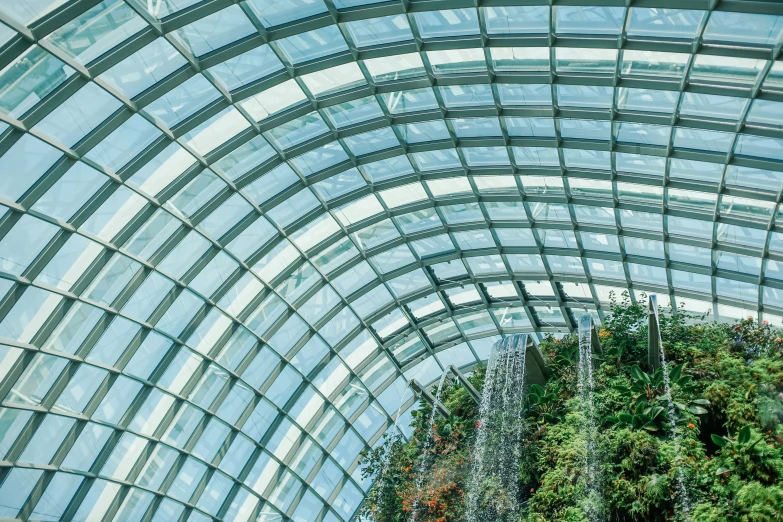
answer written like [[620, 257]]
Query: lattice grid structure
[[232, 230]]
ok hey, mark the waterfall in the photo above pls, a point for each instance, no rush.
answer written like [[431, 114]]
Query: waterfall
[[426, 447], [682, 488], [591, 466], [497, 449]]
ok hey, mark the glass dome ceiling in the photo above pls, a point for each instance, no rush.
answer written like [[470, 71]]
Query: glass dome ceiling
[[233, 230]]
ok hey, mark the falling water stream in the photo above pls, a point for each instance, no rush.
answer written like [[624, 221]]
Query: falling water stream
[[591, 466], [426, 447], [682, 488], [497, 449]]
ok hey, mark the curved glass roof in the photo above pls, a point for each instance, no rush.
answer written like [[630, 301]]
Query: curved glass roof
[[232, 230]]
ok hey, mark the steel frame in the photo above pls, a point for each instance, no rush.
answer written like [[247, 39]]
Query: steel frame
[[36, 33]]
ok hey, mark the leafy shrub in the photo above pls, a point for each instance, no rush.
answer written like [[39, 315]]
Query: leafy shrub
[[727, 386]]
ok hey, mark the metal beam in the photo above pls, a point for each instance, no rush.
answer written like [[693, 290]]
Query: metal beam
[[219, 301], [595, 341], [536, 370], [472, 391], [653, 334], [422, 392]]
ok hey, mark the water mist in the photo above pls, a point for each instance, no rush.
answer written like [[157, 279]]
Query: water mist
[[496, 454], [671, 413], [591, 466]]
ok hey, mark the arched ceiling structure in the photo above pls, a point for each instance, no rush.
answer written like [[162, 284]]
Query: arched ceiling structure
[[233, 229]]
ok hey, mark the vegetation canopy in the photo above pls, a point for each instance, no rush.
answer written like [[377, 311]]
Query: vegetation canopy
[[727, 388]]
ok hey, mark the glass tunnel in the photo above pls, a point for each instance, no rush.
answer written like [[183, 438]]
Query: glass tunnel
[[232, 231]]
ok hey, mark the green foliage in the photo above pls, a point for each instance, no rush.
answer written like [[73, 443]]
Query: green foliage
[[753, 502], [647, 397], [727, 387], [748, 456], [543, 403], [625, 338], [387, 461], [643, 417]]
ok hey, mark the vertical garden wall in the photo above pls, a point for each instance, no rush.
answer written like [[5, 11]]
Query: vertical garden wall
[[727, 391]]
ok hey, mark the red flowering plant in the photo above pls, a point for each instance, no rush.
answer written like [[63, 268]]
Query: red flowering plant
[[440, 495]]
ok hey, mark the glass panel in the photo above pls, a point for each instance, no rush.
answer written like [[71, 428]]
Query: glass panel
[[516, 19], [277, 12], [215, 31], [457, 61], [334, 80], [589, 20], [97, 30], [585, 61], [309, 46], [453, 22], [29, 79], [658, 22], [245, 68], [744, 28], [379, 31], [78, 115], [653, 63], [144, 68]]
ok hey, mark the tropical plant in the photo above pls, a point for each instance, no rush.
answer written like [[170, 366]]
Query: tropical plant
[[726, 383], [642, 417], [544, 404], [624, 337], [565, 358], [652, 388], [740, 443], [448, 426], [746, 454]]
